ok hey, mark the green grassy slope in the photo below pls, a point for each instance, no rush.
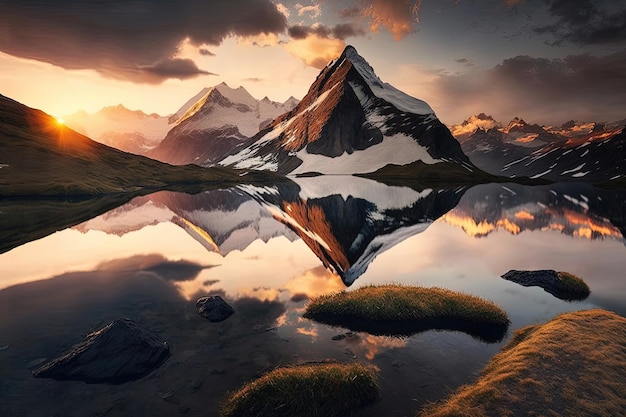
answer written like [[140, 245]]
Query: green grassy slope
[[40, 157]]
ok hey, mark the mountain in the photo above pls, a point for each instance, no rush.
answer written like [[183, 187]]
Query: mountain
[[587, 151], [472, 124], [118, 127], [595, 157], [350, 122], [213, 123], [491, 151], [524, 134], [41, 157]]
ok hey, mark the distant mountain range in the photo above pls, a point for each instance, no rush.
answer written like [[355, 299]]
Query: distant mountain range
[[214, 123], [573, 151]]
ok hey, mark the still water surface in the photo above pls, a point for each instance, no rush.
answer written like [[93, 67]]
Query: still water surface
[[266, 251]]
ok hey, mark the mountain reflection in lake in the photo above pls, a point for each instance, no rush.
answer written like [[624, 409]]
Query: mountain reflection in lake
[[266, 250]]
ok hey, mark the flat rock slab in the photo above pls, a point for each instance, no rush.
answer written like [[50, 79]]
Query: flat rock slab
[[121, 351], [214, 308]]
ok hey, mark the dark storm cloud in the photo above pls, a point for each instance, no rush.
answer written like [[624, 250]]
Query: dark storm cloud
[[128, 39], [543, 90], [340, 31], [173, 68], [586, 22]]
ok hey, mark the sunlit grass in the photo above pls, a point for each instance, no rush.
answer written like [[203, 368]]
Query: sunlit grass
[[574, 365], [403, 310], [308, 390], [573, 284], [44, 158]]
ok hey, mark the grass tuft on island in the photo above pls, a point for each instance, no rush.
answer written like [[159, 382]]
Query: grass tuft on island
[[398, 310], [573, 284], [324, 389], [574, 365]]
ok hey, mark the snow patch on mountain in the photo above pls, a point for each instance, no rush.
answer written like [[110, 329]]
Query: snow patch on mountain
[[398, 149]]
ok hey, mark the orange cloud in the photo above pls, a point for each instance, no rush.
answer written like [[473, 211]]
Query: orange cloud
[[314, 50], [397, 16]]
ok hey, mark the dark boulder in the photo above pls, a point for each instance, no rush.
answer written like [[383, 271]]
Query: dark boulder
[[121, 351], [214, 308]]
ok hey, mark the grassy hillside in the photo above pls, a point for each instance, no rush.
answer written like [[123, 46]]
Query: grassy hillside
[[574, 365], [41, 157]]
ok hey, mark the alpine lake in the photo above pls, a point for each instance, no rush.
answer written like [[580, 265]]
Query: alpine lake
[[266, 251]]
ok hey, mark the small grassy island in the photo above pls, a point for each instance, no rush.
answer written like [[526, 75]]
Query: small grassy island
[[562, 285], [309, 390], [574, 365], [397, 310]]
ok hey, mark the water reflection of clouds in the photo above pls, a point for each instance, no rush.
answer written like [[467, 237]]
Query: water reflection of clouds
[[314, 282], [374, 345], [71, 250]]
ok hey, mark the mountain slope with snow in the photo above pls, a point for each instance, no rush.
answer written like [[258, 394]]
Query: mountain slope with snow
[[574, 151], [118, 127], [350, 122], [219, 120]]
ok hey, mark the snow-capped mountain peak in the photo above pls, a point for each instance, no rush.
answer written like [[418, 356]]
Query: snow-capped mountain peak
[[383, 90], [221, 119], [350, 122], [475, 122]]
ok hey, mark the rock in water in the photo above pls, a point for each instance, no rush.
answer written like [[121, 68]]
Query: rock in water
[[119, 352], [214, 308], [560, 284]]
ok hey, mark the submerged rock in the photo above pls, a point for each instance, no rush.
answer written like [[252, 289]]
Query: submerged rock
[[562, 285], [214, 308], [119, 352]]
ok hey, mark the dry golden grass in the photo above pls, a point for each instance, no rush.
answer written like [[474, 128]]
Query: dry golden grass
[[574, 365], [573, 284], [308, 390], [404, 310]]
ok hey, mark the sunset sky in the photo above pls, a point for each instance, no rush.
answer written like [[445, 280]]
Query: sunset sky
[[545, 60]]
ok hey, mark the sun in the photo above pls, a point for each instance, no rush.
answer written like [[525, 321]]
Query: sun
[[60, 120]]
